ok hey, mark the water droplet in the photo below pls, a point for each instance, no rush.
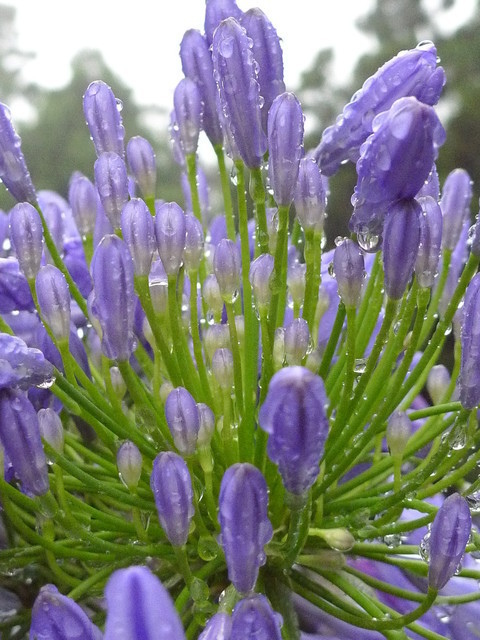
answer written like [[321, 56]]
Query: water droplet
[[360, 365], [368, 241]]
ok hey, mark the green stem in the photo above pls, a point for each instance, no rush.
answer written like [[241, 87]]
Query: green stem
[[192, 182], [227, 195], [258, 195]]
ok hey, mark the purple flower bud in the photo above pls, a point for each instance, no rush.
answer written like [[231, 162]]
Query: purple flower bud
[[193, 252], [399, 430], [142, 163], [103, 226], [285, 144], [226, 265], [438, 382], [239, 91], [401, 237], [394, 162], [177, 150], [469, 380], [172, 489], [310, 195], [54, 300], [448, 538], [139, 607], [246, 529], [183, 420], [15, 293], [296, 281], [51, 428], [170, 231], [197, 65], [83, 199], [293, 415], [188, 110], [215, 12], [431, 225], [297, 341], [260, 276], [129, 464], [139, 234], [114, 297], [455, 206], [211, 293], [57, 617], [431, 186], [222, 368], [219, 627], [217, 336], [21, 366], [13, 169], [112, 184], [20, 437], [410, 73], [349, 268], [268, 55], [104, 121], [207, 424], [55, 221], [26, 232], [254, 619]]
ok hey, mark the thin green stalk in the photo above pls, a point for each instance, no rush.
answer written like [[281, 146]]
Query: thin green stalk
[[226, 193], [258, 195], [192, 183], [312, 256]]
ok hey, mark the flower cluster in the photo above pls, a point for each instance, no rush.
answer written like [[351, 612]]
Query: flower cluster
[[211, 426]]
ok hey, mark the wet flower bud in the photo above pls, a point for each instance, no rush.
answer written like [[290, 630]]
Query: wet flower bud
[[438, 382], [448, 538], [297, 341], [285, 145], [170, 231], [54, 300], [296, 281], [15, 293], [139, 234], [112, 183], [254, 619], [260, 276], [104, 121], [83, 199], [139, 607], [20, 437], [219, 627], [216, 337], [129, 464], [188, 112], [142, 163], [401, 237], [118, 383], [455, 206], [183, 420], [113, 297], [26, 232], [215, 12], [51, 428], [310, 195], [222, 368], [211, 293], [294, 416], [207, 424], [234, 69], [193, 252], [158, 284], [22, 366], [349, 268], [13, 169], [226, 265], [244, 523], [57, 617], [399, 430], [172, 489], [431, 225], [469, 380]]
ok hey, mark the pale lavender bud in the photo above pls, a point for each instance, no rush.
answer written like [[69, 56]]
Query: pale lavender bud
[[215, 12], [349, 269], [54, 219], [183, 420], [193, 252], [129, 464], [401, 237], [296, 281], [217, 336], [172, 489], [310, 196], [188, 110], [455, 206], [222, 368], [297, 341], [399, 430], [51, 428], [139, 234], [254, 619], [22, 366], [26, 232], [104, 121], [112, 183], [139, 607], [113, 297], [448, 539], [20, 437], [142, 164], [469, 380], [118, 383], [260, 276], [57, 617], [431, 228], [197, 65], [285, 145], [103, 226], [83, 199], [226, 265], [239, 92], [170, 231], [177, 150], [244, 523], [211, 293], [438, 382], [431, 186], [53, 297], [294, 416], [13, 169], [207, 424], [219, 627], [267, 52]]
